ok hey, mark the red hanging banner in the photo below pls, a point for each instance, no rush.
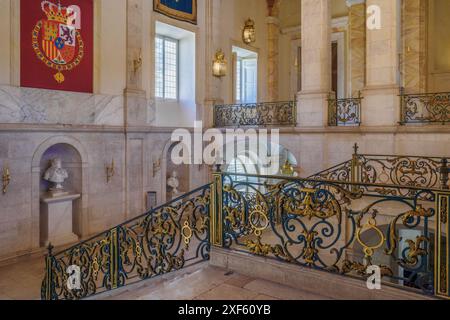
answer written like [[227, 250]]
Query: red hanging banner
[[57, 44]]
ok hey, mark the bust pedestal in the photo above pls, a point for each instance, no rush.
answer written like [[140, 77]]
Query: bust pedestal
[[56, 219]]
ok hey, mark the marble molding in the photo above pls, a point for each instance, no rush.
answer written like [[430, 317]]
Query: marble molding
[[38, 106]]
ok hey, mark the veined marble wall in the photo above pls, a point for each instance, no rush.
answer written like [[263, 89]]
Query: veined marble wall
[[357, 47], [414, 32], [26, 105]]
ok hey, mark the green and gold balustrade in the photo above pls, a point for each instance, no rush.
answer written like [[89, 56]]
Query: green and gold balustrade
[[264, 114], [409, 171], [334, 226], [166, 239], [425, 108]]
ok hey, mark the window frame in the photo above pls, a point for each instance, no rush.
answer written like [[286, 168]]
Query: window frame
[[170, 39]]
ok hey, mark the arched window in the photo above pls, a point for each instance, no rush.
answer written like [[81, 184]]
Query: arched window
[[243, 165]]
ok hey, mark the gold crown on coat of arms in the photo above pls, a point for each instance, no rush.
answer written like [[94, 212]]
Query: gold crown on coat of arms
[[55, 12]]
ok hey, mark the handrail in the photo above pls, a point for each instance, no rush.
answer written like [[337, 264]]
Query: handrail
[[357, 184], [165, 239], [152, 211]]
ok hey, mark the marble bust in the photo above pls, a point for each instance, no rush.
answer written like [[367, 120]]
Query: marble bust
[[174, 184], [56, 175]]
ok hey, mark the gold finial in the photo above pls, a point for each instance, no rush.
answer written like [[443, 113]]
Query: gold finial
[[6, 179], [110, 171]]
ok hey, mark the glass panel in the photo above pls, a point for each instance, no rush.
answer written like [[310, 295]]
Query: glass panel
[[171, 69], [159, 68]]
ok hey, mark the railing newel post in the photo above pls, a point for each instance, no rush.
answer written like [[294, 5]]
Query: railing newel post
[[114, 257], [49, 273], [216, 219], [355, 169], [444, 172], [442, 245]]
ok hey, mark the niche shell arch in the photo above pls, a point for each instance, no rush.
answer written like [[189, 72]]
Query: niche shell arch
[[36, 176]]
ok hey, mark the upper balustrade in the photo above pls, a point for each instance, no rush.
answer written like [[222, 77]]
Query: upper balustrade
[[264, 114], [425, 108], [344, 112]]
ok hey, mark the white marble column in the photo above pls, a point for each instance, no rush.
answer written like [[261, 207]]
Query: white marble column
[[316, 63], [381, 102]]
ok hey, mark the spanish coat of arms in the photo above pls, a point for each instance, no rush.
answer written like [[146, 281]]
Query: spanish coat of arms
[[57, 40]]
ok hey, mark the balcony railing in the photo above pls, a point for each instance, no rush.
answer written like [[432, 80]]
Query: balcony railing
[[344, 112], [425, 108], [264, 114]]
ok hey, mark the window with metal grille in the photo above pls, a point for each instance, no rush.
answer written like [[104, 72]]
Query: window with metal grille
[[166, 67]]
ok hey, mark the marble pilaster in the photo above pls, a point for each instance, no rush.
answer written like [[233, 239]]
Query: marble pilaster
[[138, 110], [381, 105], [414, 68], [357, 45], [273, 32], [316, 63]]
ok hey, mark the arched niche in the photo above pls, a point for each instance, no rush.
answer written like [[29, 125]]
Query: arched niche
[[75, 161], [167, 167], [251, 159]]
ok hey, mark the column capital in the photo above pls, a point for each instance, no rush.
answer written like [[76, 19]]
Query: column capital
[[354, 2]]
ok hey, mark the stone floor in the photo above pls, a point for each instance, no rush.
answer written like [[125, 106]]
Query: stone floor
[[22, 281], [205, 282]]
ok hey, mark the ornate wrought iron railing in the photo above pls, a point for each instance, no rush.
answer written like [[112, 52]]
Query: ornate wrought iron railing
[[256, 114], [425, 108], [326, 225], [164, 240], [408, 171], [344, 112]]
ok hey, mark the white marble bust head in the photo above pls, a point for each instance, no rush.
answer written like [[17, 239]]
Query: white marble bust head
[[174, 184], [56, 174]]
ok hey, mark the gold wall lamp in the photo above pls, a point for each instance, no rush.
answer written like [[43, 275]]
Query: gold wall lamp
[[219, 64], [137, 63], [6, 179], [249, 32], [110, 171]]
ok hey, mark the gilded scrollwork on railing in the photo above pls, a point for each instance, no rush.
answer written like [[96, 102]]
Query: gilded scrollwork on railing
[[408, 171], [256, 114], [386, 172], [344, 112], [425, 108], [164, 240], [314, 223]]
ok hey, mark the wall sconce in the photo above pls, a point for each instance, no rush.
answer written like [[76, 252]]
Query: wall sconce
[[287, 169], [249, 33], [156, 167], [6, 179], [137, 63], [110, 171], [219, 64]]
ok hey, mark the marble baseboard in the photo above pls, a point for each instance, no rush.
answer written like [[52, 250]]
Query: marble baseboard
[[314, 281]]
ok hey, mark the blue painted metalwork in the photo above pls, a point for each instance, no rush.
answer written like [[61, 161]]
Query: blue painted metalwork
[[328, 226], [166, 239]]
